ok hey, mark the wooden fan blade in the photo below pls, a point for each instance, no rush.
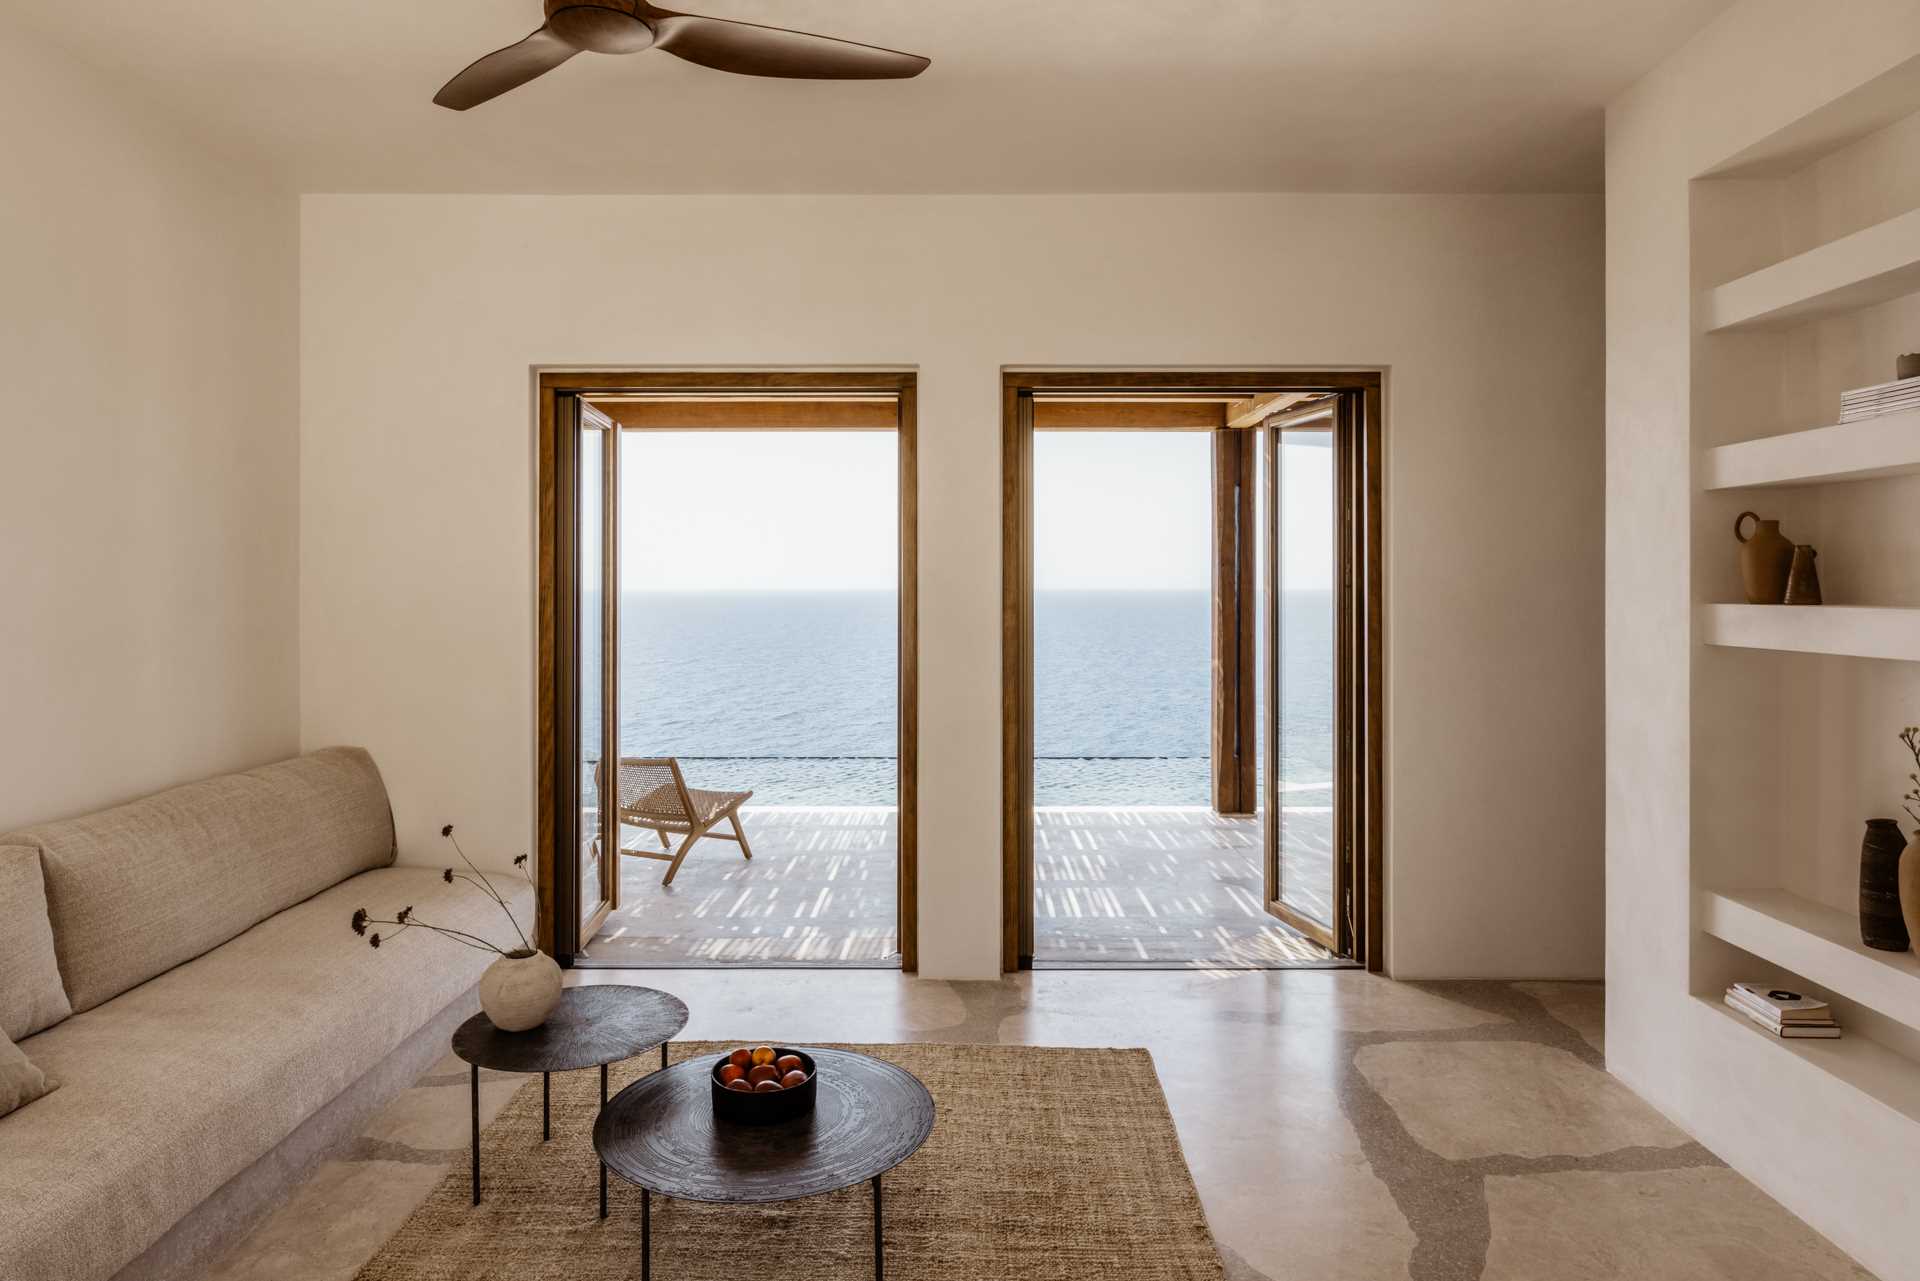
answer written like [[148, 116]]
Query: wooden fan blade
[[748, 49], [505, 69]]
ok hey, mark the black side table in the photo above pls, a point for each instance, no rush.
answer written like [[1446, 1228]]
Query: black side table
[[660, 1134], [592, 1026]]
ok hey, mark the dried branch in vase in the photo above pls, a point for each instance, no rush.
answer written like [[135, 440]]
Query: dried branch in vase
[[1911, 737], [406, 919]]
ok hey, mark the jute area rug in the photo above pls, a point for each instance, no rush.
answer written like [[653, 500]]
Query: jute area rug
[[1044, 1163]]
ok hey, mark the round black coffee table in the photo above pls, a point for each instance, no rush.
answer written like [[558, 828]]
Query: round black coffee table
[[592, 1026], [660, 1135]]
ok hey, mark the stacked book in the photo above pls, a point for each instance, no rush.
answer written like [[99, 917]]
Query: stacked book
[[1781, 1012], [1887, 398]]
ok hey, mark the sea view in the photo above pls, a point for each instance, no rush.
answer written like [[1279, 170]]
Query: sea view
[[792, 694]]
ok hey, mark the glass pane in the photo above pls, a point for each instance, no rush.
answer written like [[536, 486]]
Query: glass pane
[[1304, 749], [759, 647], [591, 535]]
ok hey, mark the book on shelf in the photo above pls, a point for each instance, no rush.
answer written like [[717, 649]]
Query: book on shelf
[[1883, 398], [1783, 1012]]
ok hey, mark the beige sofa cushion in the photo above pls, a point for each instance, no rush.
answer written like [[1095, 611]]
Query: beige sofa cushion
[[31, 997], [136, 890], [20, 1081], [172, 1089]]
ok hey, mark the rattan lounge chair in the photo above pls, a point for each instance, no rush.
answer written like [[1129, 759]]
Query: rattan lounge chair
[[653, 795]]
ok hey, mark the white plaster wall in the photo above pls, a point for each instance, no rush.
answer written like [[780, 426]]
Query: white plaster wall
[[148, 629], [422, 317], [1686, 731]]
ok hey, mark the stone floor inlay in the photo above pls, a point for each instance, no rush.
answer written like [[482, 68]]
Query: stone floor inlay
[[1462, 1100], [1702, 1224]]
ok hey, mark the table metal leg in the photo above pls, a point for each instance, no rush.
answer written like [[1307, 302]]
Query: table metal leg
[[603, 1164], [646, 1235], [475, 1078], [879, 1260], [546, 1106]]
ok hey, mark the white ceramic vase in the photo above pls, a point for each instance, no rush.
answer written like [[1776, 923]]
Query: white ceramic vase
[[519, 990]]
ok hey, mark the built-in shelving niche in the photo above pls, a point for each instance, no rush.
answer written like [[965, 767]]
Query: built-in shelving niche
[[1806, 269]]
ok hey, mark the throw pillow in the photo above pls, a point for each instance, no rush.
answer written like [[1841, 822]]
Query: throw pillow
[[20, 1081]]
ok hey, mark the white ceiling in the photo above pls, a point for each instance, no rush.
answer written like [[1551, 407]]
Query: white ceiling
[[1023, 95]]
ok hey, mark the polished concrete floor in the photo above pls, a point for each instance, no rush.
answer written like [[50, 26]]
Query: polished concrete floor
[[1139, 885], [1338, 1124]]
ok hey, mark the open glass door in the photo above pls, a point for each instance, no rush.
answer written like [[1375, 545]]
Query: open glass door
[[1302, 829], [596, 553]]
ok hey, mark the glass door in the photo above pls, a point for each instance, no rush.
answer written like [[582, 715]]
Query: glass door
[[1303, 820], [596, 553]]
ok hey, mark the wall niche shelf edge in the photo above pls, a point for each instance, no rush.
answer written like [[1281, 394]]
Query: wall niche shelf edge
[[1849, 631], [1866, 449], [1870, 266]]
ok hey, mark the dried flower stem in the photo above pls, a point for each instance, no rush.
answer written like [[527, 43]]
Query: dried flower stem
[[405, 920], [480, 879], [1911, 737]]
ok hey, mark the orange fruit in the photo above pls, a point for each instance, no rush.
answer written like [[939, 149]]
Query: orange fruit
[[742, 1059], [788, 1063], [793, 1078], [766, 1087], [729, 1074], [763, 1072], [740, 1084], [762, 1054]]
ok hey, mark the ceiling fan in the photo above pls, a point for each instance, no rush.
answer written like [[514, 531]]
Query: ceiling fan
[[629, 26]]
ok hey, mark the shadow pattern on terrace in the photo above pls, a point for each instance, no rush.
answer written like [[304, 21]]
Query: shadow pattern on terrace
[[1147, 886]]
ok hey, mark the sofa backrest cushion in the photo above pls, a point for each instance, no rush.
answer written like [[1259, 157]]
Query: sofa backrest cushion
[[31, 997], [136, 890]]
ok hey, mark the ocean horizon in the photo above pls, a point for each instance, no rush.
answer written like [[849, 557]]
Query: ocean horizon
[[793, 694]]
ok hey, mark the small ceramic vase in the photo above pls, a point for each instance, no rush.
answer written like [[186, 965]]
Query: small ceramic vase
[[519, 990], [1880, 865], [1910, 887], [1766, 558], [1803, 578]]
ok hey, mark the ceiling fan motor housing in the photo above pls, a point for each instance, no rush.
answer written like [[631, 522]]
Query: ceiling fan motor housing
[[600, 26]]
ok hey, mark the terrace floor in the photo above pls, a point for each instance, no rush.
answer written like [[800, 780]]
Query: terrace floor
[[1141, 886]]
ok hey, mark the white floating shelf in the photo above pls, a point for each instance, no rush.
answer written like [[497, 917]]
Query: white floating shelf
[[1865, 1065], [1885, 446], [1852, 631], [1817, 942], [1867, 267]]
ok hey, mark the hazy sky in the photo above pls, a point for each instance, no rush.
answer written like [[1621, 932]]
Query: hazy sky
[[816, 511], [758, 511]]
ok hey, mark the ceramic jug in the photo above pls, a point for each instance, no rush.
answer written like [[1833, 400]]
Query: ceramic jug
[[1766, 558]]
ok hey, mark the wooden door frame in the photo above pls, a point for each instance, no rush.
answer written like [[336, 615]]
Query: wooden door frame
[[1234, 712], [557, 597], [1365, 695]]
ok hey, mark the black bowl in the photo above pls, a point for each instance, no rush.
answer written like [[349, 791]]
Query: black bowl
[[770, 1107]]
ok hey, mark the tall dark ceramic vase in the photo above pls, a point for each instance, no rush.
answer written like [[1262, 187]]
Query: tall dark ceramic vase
[[1881, 924]]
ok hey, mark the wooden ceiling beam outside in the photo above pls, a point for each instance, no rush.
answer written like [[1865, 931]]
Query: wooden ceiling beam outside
[[1254, 409], [1071, 412], [1127, 415], [776, 414]]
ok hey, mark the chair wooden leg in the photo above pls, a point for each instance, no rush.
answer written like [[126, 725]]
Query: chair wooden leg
[[661, 832], [740, 832], [680, 856]]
